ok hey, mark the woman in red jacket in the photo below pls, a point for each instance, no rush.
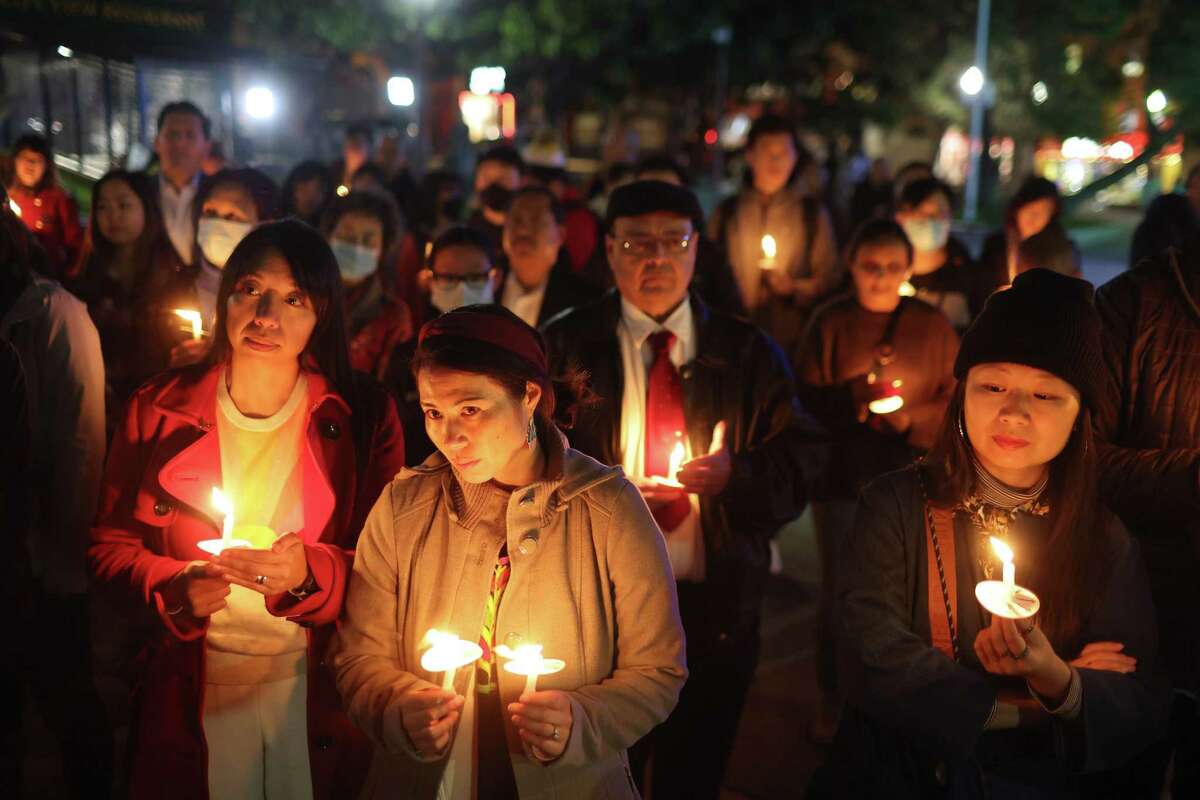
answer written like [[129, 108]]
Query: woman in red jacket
[[44, 206], [235, 701]]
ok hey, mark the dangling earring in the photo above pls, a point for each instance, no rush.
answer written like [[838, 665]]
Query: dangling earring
[[531, 434], [962, 432]]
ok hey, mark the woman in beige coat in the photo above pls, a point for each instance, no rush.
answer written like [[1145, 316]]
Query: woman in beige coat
[[506, 537]]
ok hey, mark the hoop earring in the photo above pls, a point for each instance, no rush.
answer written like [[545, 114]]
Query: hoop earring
[[531, 434]]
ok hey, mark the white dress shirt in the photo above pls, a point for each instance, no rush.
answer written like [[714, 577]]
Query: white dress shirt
[[525, 303], [176, 206], [685, 544]]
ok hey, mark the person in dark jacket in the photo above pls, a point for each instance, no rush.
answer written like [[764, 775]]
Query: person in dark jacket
[[499, 172], [1170, 221], [877, 370], [942, 268], [945, 700], [1148, 427], [540, 282], [700, 409]]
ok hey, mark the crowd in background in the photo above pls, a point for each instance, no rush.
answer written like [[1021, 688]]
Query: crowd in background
[[769, 336]]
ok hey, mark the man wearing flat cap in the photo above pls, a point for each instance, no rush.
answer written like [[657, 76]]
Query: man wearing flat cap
[[700, 410]]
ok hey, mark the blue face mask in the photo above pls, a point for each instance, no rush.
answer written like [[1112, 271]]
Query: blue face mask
[[927, 235], [219, 237], [355, 262]]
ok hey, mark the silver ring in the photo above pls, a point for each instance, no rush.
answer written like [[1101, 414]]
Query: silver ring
[[555, 735], [261, 580]]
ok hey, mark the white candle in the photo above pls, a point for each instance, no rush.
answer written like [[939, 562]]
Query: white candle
[[446, 654], [527, 660], [676, 461], [769, 250], [192, 317], [224, 505], [1006, 555]]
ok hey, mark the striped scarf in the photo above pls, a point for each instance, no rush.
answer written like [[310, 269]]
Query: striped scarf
[[485, 672]]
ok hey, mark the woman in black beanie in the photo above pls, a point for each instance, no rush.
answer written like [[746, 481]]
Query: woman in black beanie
[[943, 699]]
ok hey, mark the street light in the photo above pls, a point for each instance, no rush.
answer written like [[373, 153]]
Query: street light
[[400, 91], [260, 102], [1156, 102], [971, 81], [65, 51], [1040, 93]]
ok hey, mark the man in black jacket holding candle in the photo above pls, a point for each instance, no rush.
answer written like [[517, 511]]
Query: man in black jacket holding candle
[[700, 410]]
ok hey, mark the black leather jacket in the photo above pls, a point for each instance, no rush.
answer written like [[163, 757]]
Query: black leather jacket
[[742, 377]]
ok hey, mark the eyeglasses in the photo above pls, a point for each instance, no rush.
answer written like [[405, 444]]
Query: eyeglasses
[[475, 281], [644, 246]]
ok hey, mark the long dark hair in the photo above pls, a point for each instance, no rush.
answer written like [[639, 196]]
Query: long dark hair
[[1032, 189], [1074, 560], [562, 396], [315, 272], [97, 252]]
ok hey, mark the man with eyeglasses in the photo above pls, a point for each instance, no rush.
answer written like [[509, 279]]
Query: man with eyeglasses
[[539, 283], [700, 410], [459, 273]]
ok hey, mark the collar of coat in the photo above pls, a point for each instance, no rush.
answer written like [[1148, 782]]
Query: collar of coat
[[714, 347], [568, 475], [192, 395]]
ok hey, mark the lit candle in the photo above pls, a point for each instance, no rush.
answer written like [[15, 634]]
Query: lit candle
[[527, 660], [908, 290], [674, 462], [16, 209], [446, 654], [1005, 554], [769, 250], [890, 401], [193, 317], [224, 506]]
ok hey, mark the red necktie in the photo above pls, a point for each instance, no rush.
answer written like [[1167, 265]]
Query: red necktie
[[665, 424]]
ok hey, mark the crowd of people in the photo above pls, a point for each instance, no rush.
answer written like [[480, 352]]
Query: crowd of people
[[287, 443]]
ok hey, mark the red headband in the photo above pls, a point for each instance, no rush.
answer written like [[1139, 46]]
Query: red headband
[[504, 332]]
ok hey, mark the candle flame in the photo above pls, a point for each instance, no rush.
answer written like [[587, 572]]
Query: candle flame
[[1002, 550], [676, 461], [886, 405], [16, 209], [221, 502], [908, 290], [769, 247], [188, 314]]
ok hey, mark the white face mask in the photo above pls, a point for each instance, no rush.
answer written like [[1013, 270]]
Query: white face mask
[[355, 262], [927, 235], [219, 237], [460, 294]]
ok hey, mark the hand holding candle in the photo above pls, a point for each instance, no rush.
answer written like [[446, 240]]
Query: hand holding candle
[[709, 474], [543, 719], [1004, 598]]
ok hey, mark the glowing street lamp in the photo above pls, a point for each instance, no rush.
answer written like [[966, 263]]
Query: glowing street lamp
[[260, 102], [971, 81], [401, 91]]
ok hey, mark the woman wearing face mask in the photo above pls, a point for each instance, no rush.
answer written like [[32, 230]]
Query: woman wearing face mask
[[234, 699], [228, 206], [460, 273], [877, 370], [944, 699], [942, 267], [363, 229], [124, 249], [506, 537]]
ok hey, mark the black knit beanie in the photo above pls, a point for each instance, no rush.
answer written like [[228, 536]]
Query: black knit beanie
[[1047, 321]]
